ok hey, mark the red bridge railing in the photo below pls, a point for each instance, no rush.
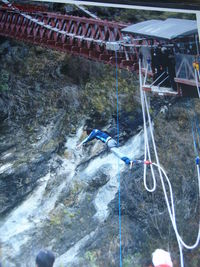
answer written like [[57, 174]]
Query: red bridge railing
[[75, 35]]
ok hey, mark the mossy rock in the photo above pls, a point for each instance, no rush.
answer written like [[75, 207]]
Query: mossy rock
[[4, 78], [91, 256], [68, 154], [51, 145], [4, 87], [55, 220]]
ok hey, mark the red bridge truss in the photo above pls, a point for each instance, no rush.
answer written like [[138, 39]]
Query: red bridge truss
[[91, 38]]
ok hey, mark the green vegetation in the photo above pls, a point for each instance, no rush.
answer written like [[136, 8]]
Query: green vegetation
[[134, 16], [4, 78], [129, 262], [69, 214], [55, 219], [100, 93], [91, 256]]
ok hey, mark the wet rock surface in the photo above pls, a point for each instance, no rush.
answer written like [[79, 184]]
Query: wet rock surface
[[68, 199]]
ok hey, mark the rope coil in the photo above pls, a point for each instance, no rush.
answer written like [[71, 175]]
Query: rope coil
[[169, 200]]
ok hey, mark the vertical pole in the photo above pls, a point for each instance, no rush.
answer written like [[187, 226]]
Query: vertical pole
[[198, 43], [197, 82], [198, 22]]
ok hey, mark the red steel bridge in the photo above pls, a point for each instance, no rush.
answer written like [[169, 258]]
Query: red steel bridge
[[91, 38]]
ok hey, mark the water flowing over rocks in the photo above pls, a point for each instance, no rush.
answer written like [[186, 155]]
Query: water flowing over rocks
[[55, 196]]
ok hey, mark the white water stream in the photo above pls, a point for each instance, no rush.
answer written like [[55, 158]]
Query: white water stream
[[5, 167], [16, 227], [134, 150]]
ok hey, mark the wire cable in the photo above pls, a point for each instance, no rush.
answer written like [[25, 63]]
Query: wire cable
[[119, 178]]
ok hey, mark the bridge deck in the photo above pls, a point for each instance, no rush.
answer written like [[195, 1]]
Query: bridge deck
[[76, 35], [90, 38]]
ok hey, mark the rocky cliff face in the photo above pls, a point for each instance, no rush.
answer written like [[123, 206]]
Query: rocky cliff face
[[44, 96], [57, 197]]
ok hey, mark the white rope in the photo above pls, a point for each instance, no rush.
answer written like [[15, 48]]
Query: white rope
[[172, 203], [146, 143], [197, 43], [197, 82], [170, 207], [146, 72], [144, 103]]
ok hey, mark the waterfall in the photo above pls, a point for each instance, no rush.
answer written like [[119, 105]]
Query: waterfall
[[133, 149]]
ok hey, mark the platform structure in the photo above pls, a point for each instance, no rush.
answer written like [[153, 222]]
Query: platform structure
[[160, 91], [171, 66], [114, 43]]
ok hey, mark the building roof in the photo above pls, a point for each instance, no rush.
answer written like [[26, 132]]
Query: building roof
[[163, 29]]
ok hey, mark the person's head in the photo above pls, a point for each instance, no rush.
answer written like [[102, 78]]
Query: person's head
[[45, 258], [89, 130], [163, 49], [162, 258]]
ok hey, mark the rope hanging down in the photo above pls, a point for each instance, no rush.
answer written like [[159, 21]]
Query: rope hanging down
[[194, 140], [119, 178], [145, 162], [197, 160], [162, 174], [198, 131], [196, 75], [195, 133]]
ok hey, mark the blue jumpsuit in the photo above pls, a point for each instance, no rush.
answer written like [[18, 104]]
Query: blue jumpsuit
[[111, 143]]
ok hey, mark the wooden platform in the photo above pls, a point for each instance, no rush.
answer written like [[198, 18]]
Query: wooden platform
[[160, 91], [186, 82]]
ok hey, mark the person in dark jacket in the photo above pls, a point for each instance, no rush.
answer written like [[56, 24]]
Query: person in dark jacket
[[45, 258], [108, 140]]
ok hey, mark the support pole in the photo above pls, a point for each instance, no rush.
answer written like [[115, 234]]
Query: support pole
[[198, 23]]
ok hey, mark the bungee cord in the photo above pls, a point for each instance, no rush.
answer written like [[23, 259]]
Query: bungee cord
[[169, 201], [147, 153], [119, 177], [196, 81], [146, 143]]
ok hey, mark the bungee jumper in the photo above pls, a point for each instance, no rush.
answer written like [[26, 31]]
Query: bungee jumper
[[111, 144]]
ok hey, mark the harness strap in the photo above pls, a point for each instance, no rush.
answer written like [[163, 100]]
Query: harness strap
[[109, 138], [147, 162]]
